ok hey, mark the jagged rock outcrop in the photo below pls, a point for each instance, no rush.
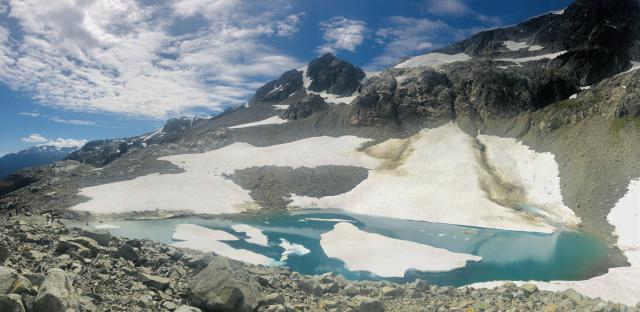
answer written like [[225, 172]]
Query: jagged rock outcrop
[[279, 89], [375, 105], [334, 76], [310, 104]]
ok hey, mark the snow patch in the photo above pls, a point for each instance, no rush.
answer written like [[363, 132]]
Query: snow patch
[[454, 194], [275, 120], [385, 256], [282, 107], [255, 234], [533, 58], [207, 240], [292, 249], [516, 46], [433, 60], [203, 189]]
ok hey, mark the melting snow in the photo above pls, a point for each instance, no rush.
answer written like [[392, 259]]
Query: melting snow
[[255, 234], [275, 120], [516, 46], [533, 58], [385, 256], [433, 60], [292, 249], [453, 193], [200, 238], [282, 107], [106, 226]]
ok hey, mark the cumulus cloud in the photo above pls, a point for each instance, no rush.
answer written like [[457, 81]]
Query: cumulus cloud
[[405, 36], [34, 138], [121, 56], [59, 142], [341, 33]]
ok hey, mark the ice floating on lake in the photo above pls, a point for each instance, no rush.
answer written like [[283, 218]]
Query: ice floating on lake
[[207, 240], [385, 256], [106, 226], [255, 235], [328, 220], [292, 249]]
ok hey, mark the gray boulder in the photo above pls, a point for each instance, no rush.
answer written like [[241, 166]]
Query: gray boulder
[[366, 304], [224, 286], [4, 252], [11, 303], [186, 308], [152, 281], [56, 293], [128, 253], [8, 277], [100, 236]]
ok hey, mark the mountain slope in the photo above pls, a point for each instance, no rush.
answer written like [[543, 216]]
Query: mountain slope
[[34, 156], [561, 84]]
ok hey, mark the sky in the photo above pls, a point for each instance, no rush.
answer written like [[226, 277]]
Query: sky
[[79, 70]]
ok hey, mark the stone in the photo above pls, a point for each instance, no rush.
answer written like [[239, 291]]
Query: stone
[[174, 254], [4, 252], [224, 286], [389, 291], [529, 288], [186, 308], [155, 282], [101, 236], [68, 247], [573, 295], [128, 253], [21, 286], [11, 303], [8, 277], [420, 285], [272, 299], [550, 308], [56, 293], [351, 290], [366, 304]]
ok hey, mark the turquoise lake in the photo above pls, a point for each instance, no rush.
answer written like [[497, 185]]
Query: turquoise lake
[[506, 255]]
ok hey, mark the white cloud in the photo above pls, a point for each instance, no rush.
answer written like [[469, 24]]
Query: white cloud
[[341, 33], [406, 36], [57, 119], [66, 143], [457, 8], [34, 138], [447, 7], [59, 142], [121, 56]]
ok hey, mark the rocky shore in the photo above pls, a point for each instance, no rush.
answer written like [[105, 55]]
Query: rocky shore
[[47, 267]]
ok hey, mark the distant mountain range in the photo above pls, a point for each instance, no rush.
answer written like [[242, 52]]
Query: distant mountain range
[[34, 156]]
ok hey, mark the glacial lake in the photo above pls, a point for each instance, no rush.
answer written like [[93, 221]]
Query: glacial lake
[[506, 255]]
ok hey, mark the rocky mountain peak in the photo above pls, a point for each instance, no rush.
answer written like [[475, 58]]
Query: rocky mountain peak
[[333, 75]]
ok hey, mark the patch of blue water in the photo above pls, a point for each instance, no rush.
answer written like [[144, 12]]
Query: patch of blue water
[[506, 255]]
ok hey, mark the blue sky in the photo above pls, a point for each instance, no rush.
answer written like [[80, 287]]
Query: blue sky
[[76, 70]]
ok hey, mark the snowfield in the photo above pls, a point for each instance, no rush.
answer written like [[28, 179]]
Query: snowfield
[[255, 234], [453, 193], [459, 189], [620, 285], [275, 120], [385, 256], [433, 60]]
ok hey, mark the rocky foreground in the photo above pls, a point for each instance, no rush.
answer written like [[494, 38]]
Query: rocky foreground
[[51, 268]]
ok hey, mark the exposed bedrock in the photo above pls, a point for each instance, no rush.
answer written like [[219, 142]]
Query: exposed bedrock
[[272, 186], [333, 75], [303, 108]]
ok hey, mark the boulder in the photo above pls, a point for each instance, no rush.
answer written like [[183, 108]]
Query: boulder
[[365, 304], [155, 282], [128, 253], [68, 247], [11, 303], [100, 236], [4, 252], [8, 277], [224, 286], [56, 293], [186, 308]]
